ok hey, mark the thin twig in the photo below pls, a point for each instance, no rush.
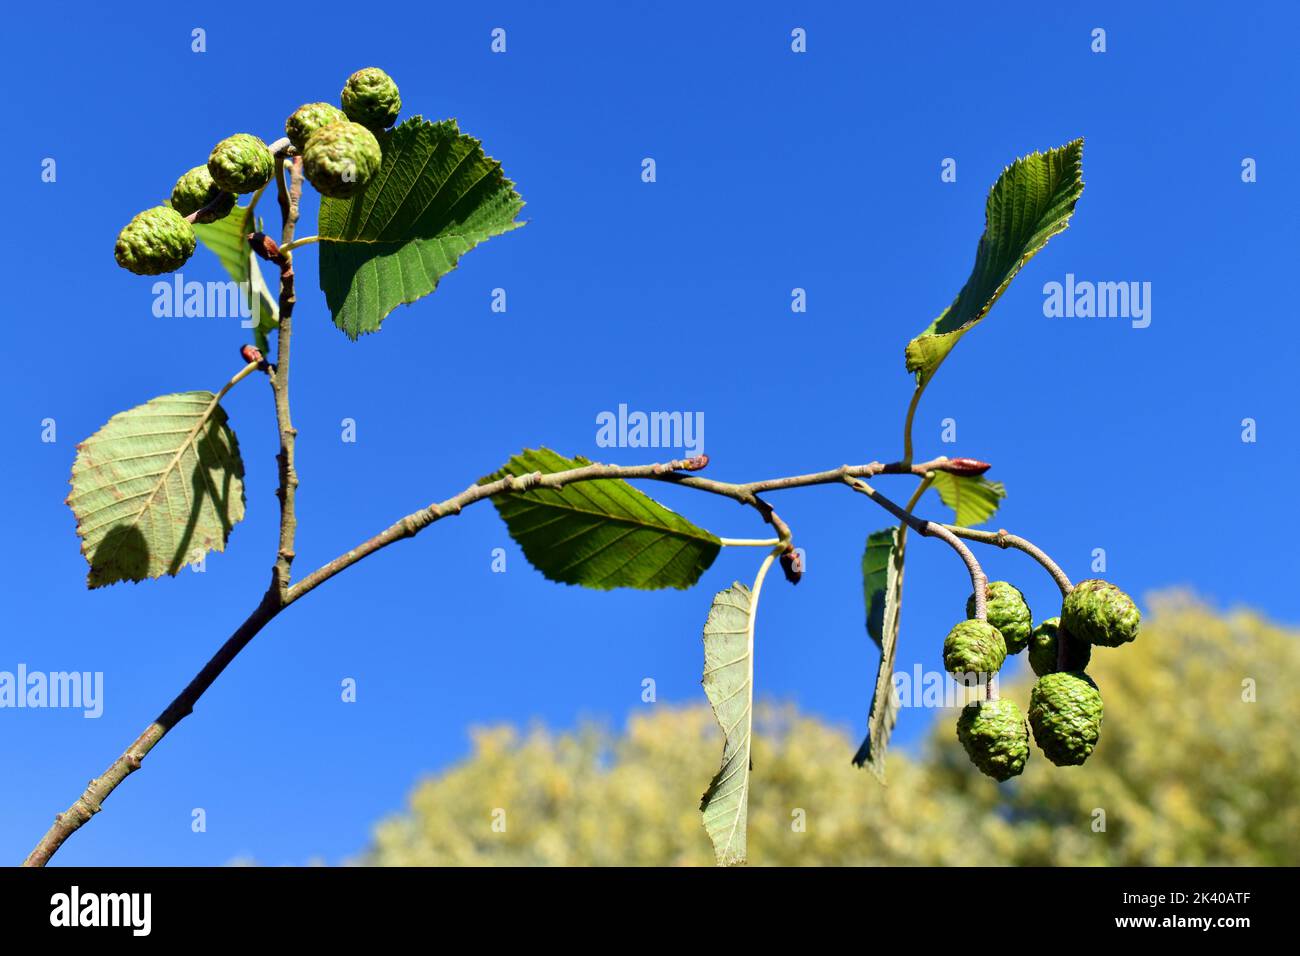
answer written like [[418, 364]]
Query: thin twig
[[417, 521], [289, 195], [91, 801], [1005, 540]]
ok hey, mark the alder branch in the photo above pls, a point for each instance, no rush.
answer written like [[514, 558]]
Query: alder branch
[[289, 195], [670, 472], [277, 598], [91, 801]]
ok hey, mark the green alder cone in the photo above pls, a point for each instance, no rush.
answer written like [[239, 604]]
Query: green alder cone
[[308, 118], [996, 737], [1008, 612], [1100, 613], [155, 241], [241, 164], [1065, 714], [973, 649], [370, 97], [341, 158], [195, 190], [1042, 649]]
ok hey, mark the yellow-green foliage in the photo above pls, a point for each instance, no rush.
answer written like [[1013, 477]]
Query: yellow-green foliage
[[1186, 772]]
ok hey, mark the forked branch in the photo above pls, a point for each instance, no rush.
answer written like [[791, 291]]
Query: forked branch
[[281, 594]]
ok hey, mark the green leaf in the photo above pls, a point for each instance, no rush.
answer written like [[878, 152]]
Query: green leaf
[[882, 583], [973, 499], [729, 684], [878, 574], [601, 533], [226, 239], [157, 488], [435, 197], [1031, 202]]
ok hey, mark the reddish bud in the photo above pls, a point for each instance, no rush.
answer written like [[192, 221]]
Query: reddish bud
[[696, 463], [964, 466], [264, 246], [251, 353], [792, 565]]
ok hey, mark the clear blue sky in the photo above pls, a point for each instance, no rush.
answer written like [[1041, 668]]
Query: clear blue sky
[[775, 171]]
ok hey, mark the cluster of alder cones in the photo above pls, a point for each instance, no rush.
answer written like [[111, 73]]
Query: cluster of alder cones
[[340, 151], [1065, 706]]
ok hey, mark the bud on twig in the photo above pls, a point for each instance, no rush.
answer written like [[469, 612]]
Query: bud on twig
[[264, 246], [696, 463], [963, 466], [792, 564], [251, 353]]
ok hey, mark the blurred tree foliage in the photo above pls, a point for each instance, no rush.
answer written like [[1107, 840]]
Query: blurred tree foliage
[[1190, 770]]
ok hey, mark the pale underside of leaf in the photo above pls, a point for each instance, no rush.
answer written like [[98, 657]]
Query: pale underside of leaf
[[435, 197], [729, 683], [226, 239], [601, 533], [973, 498], [882, 570], [1032, 201], [157, 488]]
